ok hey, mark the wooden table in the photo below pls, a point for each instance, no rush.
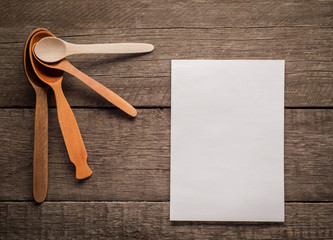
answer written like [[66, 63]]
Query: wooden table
[[128, 195]]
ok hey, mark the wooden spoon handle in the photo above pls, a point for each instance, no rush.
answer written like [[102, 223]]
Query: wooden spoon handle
[[115, 48], [40, 161], [71, 133], [99, 88]]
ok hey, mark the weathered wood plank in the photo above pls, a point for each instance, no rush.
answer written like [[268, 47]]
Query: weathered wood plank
[[147, 220], [165, 14], [131, 162], [145, 80], [131, 157]]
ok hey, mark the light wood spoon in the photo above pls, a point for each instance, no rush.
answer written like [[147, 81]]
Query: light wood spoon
[[109, 95], [54, 49], [40, 157], [69, 128]]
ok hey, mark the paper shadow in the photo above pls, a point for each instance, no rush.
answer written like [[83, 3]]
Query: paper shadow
[[231, 224]]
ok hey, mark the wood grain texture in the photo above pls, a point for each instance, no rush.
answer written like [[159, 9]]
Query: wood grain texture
[[165, 14], [40, 154], [299, 32], [147, 220], [131, 157]]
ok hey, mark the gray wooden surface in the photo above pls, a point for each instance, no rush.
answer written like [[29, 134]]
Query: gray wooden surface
[[128, 195]]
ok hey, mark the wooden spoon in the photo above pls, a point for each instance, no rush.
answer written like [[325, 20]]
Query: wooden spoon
[[109, 95], [40, 157], [69, 128], [54, 49]]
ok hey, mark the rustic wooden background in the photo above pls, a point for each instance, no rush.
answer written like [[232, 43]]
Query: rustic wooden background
[[128, 195]]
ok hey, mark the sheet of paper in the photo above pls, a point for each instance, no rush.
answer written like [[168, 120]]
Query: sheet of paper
[[227, 140]]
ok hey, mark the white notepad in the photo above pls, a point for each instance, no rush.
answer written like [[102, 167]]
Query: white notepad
[[227, 140]]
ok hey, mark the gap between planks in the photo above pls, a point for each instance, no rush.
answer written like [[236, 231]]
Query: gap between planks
[[141, 107], [133, 201]]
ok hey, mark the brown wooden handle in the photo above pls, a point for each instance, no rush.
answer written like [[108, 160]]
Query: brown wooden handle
[[100, 89], [71, 134], [40, 161]]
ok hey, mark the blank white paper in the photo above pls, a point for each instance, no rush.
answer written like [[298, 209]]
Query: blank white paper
[[227, 140]]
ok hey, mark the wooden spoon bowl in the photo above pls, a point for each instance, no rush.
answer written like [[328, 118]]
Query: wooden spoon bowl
[[47, 75]]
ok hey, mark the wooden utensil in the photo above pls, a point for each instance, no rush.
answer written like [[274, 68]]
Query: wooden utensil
[[109, 95], [55, 49], [69, 128], [40, 157]]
